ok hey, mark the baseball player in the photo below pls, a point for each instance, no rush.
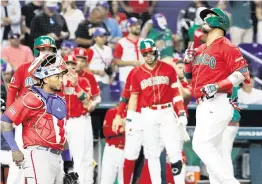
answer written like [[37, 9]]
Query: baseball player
[[19, 85], [79, 125], [113, 157], [214, 68], [155, 83], [42, 114]]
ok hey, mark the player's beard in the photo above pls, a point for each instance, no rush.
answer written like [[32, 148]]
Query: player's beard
[[136, 32], [56, 89]]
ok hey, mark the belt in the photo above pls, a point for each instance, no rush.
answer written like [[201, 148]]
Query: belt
[[120, 146], [44, 148], [204, 98], [160, 106]]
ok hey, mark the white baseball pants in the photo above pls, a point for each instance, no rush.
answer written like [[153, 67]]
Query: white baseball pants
[[80, 141], [42, 167], [112, 165], [16, 175], [133, 137], [160, 126], [212, 118], [225, 148]]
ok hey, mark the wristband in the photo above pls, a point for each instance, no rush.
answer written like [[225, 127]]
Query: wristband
[[10, 139], [83, 96]]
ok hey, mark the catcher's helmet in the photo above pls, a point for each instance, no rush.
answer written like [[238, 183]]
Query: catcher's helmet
[[220, 21], [47, 65], [44, 41], [148, 45]]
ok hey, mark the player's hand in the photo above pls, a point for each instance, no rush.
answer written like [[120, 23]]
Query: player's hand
[[209, 90], [18, 157], [182, 119], [190, 54], [117, 122], [72, 77]]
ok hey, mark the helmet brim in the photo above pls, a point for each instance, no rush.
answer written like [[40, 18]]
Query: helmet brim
[[205, 12]]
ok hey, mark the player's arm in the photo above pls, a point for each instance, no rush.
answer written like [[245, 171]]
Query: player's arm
[[95, 94], [107, 127], [188, 60]]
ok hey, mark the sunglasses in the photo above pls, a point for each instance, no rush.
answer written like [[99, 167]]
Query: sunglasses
[[146, 53]]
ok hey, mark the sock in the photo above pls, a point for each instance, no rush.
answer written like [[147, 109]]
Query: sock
[[169, 175], [128, 170], [145, 176]]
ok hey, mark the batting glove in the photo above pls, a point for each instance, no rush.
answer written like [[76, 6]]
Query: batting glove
[[182, 119], [190, 54], [209, 90]]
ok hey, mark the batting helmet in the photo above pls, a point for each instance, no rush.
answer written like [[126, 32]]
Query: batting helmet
[[47, 65], [44, 41], [220, 21], [148, 45]]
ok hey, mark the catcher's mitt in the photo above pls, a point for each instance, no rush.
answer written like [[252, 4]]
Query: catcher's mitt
[[71, 178]]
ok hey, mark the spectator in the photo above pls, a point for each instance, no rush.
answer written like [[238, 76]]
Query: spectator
[[90, 5], [162, 36], [99, 58], [111, 24], [247, 94], [118, 16], [241, 30], [72, 15], [16, 54], [67, 47], [259, 23], [50, 23], [139, 9], [10, 19], [29, 11], [127, 54], [84, 32]]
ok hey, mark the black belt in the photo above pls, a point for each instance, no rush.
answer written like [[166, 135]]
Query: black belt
[[44, 148], [202, 98]]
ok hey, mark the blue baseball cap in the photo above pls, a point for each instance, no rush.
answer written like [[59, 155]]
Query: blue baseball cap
[[99, 32], [132, 21], [104, 4], [52, 5], [68, 44]]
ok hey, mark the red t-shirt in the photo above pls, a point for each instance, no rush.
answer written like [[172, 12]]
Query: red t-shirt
[[215, 63], [111, 137], [154, 86], [39, 127], [88, 83], [21, 81], [139, 6]]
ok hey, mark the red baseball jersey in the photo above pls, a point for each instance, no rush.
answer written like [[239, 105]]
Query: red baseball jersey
[[111, 137], [186, 85], [39, 127], [20, 83], [198, 34], [214, 63], [88, 83], [154, 86]]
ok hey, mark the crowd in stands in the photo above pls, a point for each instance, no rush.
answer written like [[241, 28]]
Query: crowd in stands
[[112, 30]]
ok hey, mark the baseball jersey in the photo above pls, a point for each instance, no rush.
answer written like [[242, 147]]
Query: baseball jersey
[[88, 83], [127, 50], [39, 126], [100, 59], [21, 81], [214, 63], [154, 86], [167, 50], [112, 138], [186, 85]]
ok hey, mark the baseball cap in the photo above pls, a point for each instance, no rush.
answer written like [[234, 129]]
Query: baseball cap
[[52, 5], [80, 52], [12, 35], [68, 44], [104, 4], [132, 21], [99, 31], [70, 58]]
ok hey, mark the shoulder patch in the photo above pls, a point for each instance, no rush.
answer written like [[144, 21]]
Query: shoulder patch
[[32, 101]]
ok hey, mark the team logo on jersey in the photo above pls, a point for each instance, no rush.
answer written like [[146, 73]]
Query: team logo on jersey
[[205, 60], [29, 82], [154, 81], [69, 91]]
